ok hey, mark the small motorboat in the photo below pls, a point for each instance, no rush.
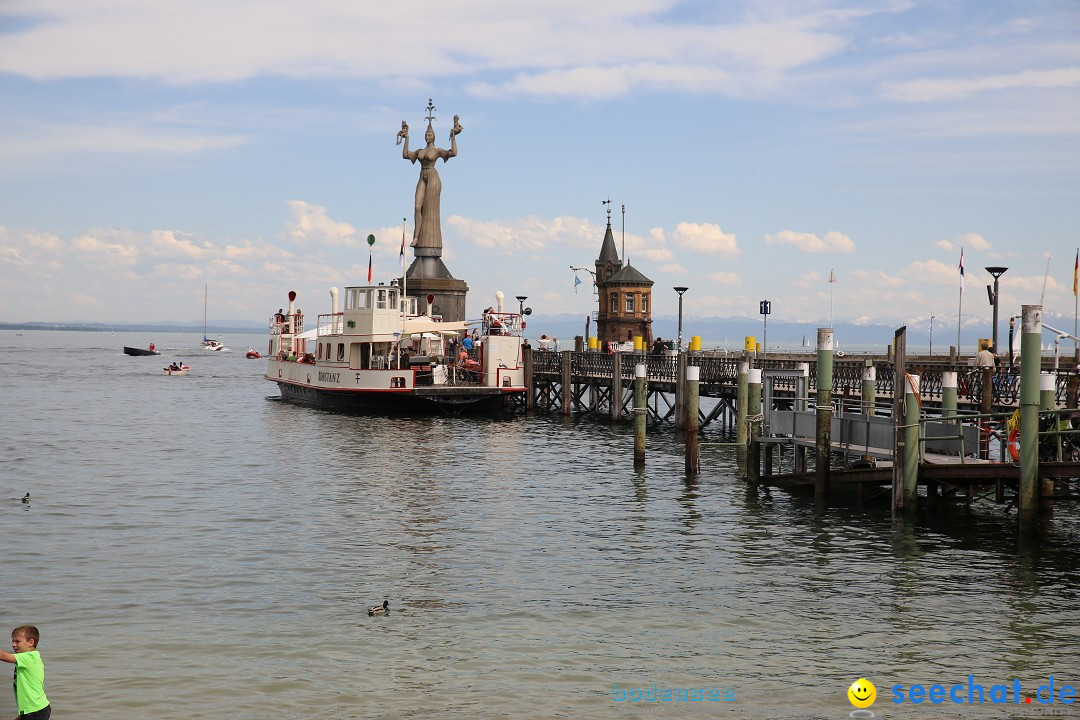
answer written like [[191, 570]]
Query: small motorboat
[[217, 345], [253, 354], [141, 351], [176, 369]]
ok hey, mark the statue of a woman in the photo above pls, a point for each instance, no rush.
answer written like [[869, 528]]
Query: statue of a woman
[[427, 231]]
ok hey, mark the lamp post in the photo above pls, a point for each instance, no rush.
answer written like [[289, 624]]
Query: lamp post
[[521, 304], [680, 290], [997, 272]]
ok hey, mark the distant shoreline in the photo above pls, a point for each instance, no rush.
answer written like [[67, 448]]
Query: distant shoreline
[[98, 327]]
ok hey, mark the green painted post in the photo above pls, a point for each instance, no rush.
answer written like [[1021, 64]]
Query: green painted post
[[693, 461], [1030, 362], [823, 442], [742, 403], [639, 414], [911, 443]]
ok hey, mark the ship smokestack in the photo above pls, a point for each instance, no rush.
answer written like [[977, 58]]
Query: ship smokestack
[[499, 297]]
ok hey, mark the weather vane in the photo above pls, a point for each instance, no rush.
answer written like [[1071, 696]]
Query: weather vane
[[608, 203]]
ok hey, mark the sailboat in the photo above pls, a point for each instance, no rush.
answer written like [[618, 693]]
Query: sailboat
[[207, 343]]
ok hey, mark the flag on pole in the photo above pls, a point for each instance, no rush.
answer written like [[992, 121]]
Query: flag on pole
[[401, 255], [961, 269], [577, 281], [369, 269], [1076, 270]]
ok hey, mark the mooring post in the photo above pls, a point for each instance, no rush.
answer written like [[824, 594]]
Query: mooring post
[[1048, 402], [868, 394], [616, 385], [948, 404], [1030, 365], [566, 356], [742, 404], [802, 404], [693, 462], [640, 411], [985, 406], [823, 442], [911, 442], [680, 391], [530, 390], [753, 411]]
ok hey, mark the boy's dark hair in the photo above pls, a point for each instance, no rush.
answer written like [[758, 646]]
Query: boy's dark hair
[[28, 632]]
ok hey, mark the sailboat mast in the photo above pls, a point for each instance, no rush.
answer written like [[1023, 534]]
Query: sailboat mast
[[205, 298]]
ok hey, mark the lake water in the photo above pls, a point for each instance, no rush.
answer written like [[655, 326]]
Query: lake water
[[196, 548]]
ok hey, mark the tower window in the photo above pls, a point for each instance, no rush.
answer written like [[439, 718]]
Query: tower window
[[644, 304], [614, 303], [629, 303]]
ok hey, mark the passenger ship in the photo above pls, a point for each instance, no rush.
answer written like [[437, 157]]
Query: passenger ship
[[379, 352]]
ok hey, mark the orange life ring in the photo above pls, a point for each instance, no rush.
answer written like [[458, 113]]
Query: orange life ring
[[1014, 445]]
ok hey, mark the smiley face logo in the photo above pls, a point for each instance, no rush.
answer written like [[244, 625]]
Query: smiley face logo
[[862, 693]]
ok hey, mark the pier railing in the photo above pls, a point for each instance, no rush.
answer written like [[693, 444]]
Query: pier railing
[[717, 370]]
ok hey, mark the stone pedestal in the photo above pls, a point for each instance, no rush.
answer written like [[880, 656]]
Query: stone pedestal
[[449, 296]]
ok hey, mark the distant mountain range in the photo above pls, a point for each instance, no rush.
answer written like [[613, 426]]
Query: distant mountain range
[[728, 333]]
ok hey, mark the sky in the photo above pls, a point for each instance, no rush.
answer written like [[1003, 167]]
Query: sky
[[151, 149]]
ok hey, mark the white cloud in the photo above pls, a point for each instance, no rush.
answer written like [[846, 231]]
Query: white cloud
[[936, 89], [705, 237], [725, 278], [310, 225], [833, 242], [50, 139], [673, 268]]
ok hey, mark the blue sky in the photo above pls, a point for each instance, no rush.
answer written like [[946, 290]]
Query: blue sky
[[150, 147]]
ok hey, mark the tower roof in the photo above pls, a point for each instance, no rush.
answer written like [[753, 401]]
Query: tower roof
[[607, 250], [629, 275]]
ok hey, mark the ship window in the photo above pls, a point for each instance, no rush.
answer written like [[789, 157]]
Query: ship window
[[341, 352], [380, 300], [320, 351], [630, 303]]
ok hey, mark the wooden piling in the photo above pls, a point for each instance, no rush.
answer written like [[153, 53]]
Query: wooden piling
[[742, 403], [530, 385], [680, 391], [616, 386], [898, 411], [948, 404], [640, 410], [753, 410], [566, 356], [1030, 361], [1048, 401], [824, 410], [693, 461], [868, 392], [911, 442]]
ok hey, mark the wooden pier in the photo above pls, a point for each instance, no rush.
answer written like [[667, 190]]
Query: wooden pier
[[836, 422]]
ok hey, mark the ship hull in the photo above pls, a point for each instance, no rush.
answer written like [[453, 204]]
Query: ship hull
[[418, 401]]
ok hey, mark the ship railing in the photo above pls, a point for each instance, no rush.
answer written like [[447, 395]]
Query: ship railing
[[330, 323], [497, 323]]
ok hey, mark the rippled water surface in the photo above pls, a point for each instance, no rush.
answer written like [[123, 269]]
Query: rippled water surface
[[194, 547]]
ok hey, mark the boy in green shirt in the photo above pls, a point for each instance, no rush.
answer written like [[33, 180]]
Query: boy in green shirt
[[29, 674]]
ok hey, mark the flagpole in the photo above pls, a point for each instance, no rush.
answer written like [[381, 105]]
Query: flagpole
[[960, 304], [1076, 307]]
